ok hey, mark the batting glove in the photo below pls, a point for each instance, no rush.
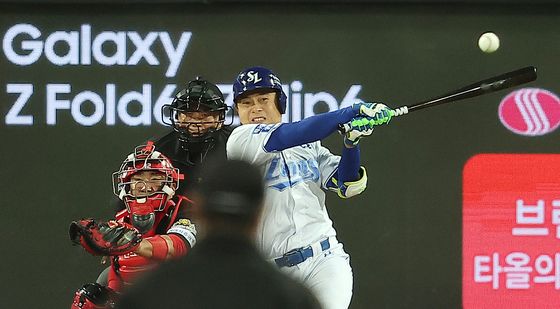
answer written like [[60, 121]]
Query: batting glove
[[379, 112], [358, 127]]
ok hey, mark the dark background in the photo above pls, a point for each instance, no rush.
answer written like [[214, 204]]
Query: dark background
[[403, 233]]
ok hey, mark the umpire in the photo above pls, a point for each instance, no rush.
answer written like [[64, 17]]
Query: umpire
[[224, 270], [200, 130]]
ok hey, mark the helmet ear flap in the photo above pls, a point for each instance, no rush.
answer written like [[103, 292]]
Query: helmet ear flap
[[282, 100]]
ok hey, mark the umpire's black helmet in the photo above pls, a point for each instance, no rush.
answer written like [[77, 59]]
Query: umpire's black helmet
[[199, 95]]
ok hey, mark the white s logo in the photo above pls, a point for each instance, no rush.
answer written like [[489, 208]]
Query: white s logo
[[253, 77]]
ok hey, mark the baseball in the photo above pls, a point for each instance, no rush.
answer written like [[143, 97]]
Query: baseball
[[488, 42]]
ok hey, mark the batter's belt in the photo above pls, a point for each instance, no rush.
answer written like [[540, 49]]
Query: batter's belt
[[299, 255]]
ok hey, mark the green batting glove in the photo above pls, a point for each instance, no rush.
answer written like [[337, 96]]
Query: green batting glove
[[379, 112], [358, 128]]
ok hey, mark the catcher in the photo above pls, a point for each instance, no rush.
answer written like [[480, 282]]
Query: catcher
[[151, 228]]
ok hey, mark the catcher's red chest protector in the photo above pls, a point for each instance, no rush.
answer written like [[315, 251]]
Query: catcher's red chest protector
[[126, 268]]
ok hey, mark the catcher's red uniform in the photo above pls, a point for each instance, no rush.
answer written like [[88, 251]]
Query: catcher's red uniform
[[145, 233], [126, 267]]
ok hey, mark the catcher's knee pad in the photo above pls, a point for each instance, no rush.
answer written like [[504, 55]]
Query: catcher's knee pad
[[94, 296]]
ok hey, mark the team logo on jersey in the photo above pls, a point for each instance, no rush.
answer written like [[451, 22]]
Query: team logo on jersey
[[263, 128], [279, 177], [530, 112]]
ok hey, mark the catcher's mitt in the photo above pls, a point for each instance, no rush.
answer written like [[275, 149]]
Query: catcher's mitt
[[105, 238]]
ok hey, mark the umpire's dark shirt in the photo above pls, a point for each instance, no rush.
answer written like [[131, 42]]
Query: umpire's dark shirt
[[220, 272]]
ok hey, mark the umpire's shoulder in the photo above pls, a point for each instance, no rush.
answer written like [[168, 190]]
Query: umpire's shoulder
[[226, 130], [165, 140]]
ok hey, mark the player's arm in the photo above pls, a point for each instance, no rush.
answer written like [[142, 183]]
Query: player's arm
[[117, 238], [318, 127], [180, 238], [350, 179], [159, 247]]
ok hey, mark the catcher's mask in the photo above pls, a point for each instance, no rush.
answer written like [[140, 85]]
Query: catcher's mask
[[145, 182], [197, 113]]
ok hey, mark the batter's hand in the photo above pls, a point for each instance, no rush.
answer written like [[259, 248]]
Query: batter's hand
[[357, 128], [379, 112]]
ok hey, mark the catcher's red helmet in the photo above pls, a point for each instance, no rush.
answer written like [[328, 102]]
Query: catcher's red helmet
[[145, 195]]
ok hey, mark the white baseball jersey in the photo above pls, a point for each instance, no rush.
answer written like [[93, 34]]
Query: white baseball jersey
[[294, 213]]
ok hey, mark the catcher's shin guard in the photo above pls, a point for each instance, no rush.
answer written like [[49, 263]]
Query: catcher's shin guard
[[94, 296]]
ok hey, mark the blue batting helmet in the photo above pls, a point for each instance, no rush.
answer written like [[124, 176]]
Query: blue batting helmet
[[256, 78]]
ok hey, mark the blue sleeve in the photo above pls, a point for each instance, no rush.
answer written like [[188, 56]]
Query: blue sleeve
[[349, 165], [309, 130]]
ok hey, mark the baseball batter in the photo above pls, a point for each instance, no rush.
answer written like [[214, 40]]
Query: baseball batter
[[295, 231]]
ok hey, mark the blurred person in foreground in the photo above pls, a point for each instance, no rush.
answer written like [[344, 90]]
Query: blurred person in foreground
[[225, 270]]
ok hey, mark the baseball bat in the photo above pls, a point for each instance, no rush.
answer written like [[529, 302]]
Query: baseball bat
[[489, 85]]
